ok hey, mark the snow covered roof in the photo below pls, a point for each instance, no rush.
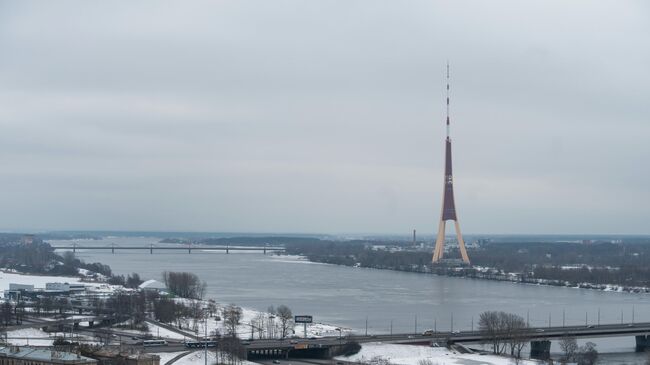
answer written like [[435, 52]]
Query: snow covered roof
[[45, 355], [152, 284]]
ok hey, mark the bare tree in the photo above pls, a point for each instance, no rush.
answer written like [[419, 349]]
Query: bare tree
[[197, 312], [587, 355], [286, 319], [491, 327], [270, 322], [7, 313], [259, 320], [569, 346], [232, 315], [518, 334], [184, 284]]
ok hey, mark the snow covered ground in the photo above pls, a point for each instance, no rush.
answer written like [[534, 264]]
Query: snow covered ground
[[29, 336], [194, 358], [413, 355], [36, 337], [166, 356], [38, 281], [252, 323]]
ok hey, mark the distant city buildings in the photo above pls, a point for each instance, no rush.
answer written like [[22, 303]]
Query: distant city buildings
[[16, 291]]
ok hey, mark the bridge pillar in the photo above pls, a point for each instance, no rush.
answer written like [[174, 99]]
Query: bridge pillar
[[90, 324], [540, 349], [227, 247], [189, 250], [642, 343], [113, 249], [151, 249], [76, 325]]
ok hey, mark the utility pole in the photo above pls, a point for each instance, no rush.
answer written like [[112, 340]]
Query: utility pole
[[632, 314], [549, 319], [563, 318], [205, 340], [366, 325], [586, 321], [599, 316], [528, 317], [452, 321], [391, 327], [435, 325], [416, 324], [472, 323]]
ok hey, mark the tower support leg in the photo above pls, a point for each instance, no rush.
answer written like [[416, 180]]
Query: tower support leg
[[461, 244], [440, 242]]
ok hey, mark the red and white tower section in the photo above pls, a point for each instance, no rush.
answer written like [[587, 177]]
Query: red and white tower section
[[448, 206]]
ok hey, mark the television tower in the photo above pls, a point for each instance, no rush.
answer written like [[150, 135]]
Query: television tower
[[448, 207]]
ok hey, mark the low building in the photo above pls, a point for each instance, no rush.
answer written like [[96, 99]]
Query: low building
[[107, 357], [18, 290], [14, 355], [153, 285], [65, 287]]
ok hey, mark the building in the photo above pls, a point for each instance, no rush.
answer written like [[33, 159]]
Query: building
[[153, 285], [18, 291], [14, 355], [107, 357], [65, 287]]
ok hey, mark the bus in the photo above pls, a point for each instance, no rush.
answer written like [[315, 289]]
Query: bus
[[150, 343]]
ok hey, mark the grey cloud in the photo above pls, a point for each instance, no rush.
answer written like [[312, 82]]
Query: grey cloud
[[323, 116]]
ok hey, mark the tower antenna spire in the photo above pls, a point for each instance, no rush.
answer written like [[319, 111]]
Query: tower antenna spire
[[447, 99], [448, 205]]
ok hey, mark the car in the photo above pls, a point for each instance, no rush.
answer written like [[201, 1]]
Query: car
[[293, 342], [590, 326], [455, 332], [313, 337], [245, 343], [630, 325], [427, 333], [539, 330], [276, 361]]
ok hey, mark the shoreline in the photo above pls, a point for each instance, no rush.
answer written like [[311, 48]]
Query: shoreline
[[508, 277]]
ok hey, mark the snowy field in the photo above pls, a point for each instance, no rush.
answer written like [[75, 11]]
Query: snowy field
[[249, 327], [194, 358], [166, 356], [413, 355], [7, 278], [36, 337]]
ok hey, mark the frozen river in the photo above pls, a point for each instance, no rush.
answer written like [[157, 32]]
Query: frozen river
[[348, 296]]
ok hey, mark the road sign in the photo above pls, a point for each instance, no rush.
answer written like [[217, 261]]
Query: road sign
[[303, 319]]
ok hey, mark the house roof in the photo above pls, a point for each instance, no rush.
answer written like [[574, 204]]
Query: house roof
[[152, 284], [38, 354]]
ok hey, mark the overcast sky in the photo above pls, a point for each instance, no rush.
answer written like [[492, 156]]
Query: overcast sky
[[324, 116]]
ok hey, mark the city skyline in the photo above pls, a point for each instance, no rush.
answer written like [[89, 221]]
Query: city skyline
[[323, 117]]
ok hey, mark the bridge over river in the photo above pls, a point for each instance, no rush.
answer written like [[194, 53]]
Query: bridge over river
[[189, 248], [539, 338]]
